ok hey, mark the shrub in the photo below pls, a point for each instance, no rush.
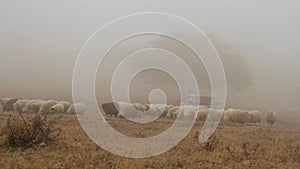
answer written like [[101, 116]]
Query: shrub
[[21, 132]]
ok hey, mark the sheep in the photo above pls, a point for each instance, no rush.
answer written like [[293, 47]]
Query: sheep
[[27, 107], [45, 106], [140, 107], [227, 113], [8, 103], [57, 108], [35, 106], [203, 107], [110, 108], [211, 114], [32, 106], [235, 116], [165, 112], [215, 115], [254, 116], [19, 105], [271, 118], [202, 114], [183, 112], [173, 111], [78, 108], [66, 105], [241, 117], [159, 108], [155, 109], [188, 112], [130, 110]]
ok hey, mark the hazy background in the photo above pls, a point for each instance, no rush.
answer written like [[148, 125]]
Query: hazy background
[[258, 42]]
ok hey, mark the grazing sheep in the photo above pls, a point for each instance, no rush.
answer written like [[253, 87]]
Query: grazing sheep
[[35, 106], [78, 108], [254, 116], [227, 114], [241, 117], [203, 107], [110, 108], [215, 115], [188, 112], [130, 110], [202, 114], [160, 108], [140, 107], [57, 108], [210, 114], [19, 105], [27, 107], [235, 116], [32, 106], [66, 105], [157, 109], [173, 111], [271, 118], [45, 106], [165, 112], [8, 104]]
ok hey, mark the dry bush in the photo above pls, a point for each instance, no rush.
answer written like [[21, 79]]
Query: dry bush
[[21, 132]]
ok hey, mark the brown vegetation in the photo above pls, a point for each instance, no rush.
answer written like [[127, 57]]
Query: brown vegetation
[[21, 132], [231, 146]]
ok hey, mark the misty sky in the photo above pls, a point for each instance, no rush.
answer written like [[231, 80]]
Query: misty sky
[[40, 40]]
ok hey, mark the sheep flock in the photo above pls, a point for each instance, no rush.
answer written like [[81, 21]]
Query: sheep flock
[[39, 106], [121, 109], [201, 113]]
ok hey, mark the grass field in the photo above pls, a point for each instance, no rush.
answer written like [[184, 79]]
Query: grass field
[[231, 146]]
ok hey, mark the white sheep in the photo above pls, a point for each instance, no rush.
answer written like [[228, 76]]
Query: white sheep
[[187, 112], [32, 106], [211, 114], [235, 116], [202, 114], [140, 107], [156, 110], [226, 114], [66, 105], [215, 115], [203, 107], [78, 108], [271, 118], [19, 105], [173, 111], [254, 116], [57, 108], [130, 110], [45, 106], [35, 106], [166, 110], [27, 107], [162, 108]]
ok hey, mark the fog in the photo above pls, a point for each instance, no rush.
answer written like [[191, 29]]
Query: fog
[[258, 43]]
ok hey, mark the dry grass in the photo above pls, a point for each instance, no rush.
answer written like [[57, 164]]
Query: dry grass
[[231, 146]]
